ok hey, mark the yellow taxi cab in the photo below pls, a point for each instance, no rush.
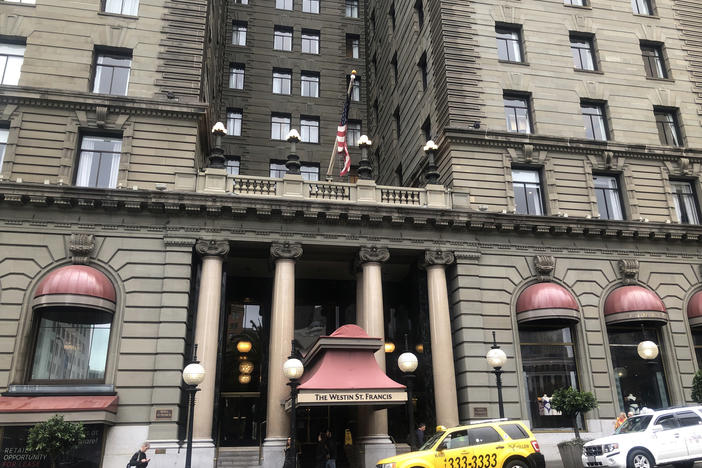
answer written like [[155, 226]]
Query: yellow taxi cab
[[486, 444]]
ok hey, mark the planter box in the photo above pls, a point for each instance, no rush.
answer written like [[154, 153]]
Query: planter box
[[571, 453]]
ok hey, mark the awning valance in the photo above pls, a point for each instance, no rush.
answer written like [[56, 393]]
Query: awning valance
[[31, 409], [546, 301], [634, 304], [694, 310], [76, 286]]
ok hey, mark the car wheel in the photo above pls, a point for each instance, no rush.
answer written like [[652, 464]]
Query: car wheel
[[516, 464], [640, 459]]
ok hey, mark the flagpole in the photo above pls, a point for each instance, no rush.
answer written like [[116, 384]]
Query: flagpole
[[330, 169]]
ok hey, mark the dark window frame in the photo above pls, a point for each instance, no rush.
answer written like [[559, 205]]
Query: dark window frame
[[237, 28], [508, 43], [285, 34], [114, 54], [618, 192], [684, 199], [578, 51], [310, 118], [668, 126], [103, 8], [588, 118], [637, 6], [95, 134], [235, 111], [511, 111], [654, 60], [525, 185], [310, 33]]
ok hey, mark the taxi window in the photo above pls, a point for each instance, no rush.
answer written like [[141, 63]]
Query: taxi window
[[456, 439], [667, 421], [688, 418], [483, 435], [514, 431]]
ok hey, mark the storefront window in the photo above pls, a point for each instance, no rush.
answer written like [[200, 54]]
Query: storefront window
[[548, 361], [640, 383], [697, 340]]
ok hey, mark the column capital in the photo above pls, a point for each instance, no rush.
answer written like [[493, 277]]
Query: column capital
[[438, 257], [286, 250], [212, 248], [373, 254]]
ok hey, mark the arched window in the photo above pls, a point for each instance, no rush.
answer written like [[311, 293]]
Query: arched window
[[547, 314], [73, 308]]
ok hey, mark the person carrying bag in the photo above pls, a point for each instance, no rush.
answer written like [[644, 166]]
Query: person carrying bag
[[139, 458]]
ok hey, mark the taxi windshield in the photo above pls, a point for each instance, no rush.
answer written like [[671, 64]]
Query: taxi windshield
[[432, 440], [634, 424]]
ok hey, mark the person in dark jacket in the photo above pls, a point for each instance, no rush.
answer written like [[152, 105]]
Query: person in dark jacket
[[331, 450], [139, 459], [321, 451], [289, 455], [419, 434]]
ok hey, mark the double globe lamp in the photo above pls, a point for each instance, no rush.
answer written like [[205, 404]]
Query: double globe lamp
[[193, 375]]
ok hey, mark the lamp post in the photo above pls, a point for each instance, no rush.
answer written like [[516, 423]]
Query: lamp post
[[365, 170], [193, 375], [293, 369], [293, 162], [216, 159], [407, 362], [496, 358], [432, 175]]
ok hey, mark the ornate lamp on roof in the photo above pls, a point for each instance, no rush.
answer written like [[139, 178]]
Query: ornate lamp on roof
[[216, 159], [293, 162], [365, 170], [432, 175]]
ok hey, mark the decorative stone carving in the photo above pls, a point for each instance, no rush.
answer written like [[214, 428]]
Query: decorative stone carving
[[684, 166], [629, 269], [438, 257], [101, 116], [528, 153], [286, 250], [212, 248], [81, 247], [544, 264], [373, 254]]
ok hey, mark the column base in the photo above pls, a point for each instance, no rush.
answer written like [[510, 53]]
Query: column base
[[374, 448], [273, 452]]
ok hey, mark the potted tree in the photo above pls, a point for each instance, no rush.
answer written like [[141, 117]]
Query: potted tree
[[571, 403], [697, 387], [54, 437]]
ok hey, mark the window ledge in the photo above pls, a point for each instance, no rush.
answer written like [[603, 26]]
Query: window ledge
[[511, 62], [30, 5], [656, 17], [118, 15], [668, 80], [596, 72], [77, 389], [580, 7]]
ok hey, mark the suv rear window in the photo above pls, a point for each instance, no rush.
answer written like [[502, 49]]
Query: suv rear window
[[514, 431], [667, 421], [688, 418], [483, 435]]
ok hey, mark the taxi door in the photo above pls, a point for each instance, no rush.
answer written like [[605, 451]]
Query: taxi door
[[487, 448], [457, 451]]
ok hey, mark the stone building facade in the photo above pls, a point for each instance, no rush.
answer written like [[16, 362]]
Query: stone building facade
[[571, 249]]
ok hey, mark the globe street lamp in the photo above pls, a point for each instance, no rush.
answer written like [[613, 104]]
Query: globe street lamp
[[496, 358], [193, 375], [407, 362], [293, 369]]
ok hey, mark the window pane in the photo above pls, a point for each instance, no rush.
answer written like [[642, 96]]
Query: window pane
[[11, 59], [98, 164], [310, 43], [483, 435], [4, 135], [688, 418], [232, 166]]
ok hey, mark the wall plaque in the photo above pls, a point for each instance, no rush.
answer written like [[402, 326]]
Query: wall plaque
[[480, 412], [164, 414]]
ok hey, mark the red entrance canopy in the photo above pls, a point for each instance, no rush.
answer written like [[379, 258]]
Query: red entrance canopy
[[58, 404], [341, 369]]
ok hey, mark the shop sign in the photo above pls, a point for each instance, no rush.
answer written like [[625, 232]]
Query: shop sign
[[15, 455], [354, 397]]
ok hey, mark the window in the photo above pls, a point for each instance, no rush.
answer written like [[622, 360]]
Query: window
[[668, 128], [236, 76], [239, 33], [356, 89], [309, 84], [668, 421], [527, 191], [514, 431], [517, 113], [112, 73], [426, 129], [308, 171], [234, 119], [608, 197], [352, 8], [398, 123], [688, 418], [232, 165], [310, 42], [282, 38], [277, 169], [575, 2], [27, 2], [354, 133], [122, 7], [483, 435], [282, 80], [11, 58], [310, 6], [284, 4], [642, 7], [594, 117], [309, 129], [509, 43], [98, 162], [697, 340], [685, 202], [549, 362], [4, 135], [394, 68], [352, 46], [654, 63], [419, 9], [393, 16], [639, 382], [241, 2], [457, 440], [280, 126], [583, 48], [423, 71]]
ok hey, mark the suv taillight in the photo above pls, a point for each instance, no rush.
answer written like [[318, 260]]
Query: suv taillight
[[535, 444]]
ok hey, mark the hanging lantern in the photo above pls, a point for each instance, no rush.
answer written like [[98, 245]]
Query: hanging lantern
[[389, 346], [244, 379], [243, 346], [419, 348], [246, 367]]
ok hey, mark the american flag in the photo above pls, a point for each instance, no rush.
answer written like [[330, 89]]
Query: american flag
[[341, 146]]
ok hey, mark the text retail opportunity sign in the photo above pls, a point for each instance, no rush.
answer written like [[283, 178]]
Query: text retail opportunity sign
[[353, 397]]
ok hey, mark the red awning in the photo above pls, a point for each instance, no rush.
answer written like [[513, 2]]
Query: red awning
[[634, 304], [694, 310], [341, 370], [58, 404], [544, 301], [76, 286]]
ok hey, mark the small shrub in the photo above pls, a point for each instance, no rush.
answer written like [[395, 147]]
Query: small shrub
[[54, 437]]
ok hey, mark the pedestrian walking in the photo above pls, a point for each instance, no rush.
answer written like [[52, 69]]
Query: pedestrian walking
[[289, 455], [419, 434], [139, 459], [331, 450]]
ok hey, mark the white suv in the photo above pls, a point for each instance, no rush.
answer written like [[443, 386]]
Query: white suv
[[672, 436]]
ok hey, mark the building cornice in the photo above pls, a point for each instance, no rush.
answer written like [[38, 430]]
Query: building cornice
[[41, 196], [62, 99]]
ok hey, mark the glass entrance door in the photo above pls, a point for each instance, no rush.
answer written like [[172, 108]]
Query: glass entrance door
[[238, 424]]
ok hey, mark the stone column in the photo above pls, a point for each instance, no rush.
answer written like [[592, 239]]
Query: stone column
[[363, 411], [281, 335], [445, 398], [376, 442], [207, 331]]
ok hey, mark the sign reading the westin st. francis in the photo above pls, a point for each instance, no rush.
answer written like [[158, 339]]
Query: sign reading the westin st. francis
[[14, 454], [351, 397]]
